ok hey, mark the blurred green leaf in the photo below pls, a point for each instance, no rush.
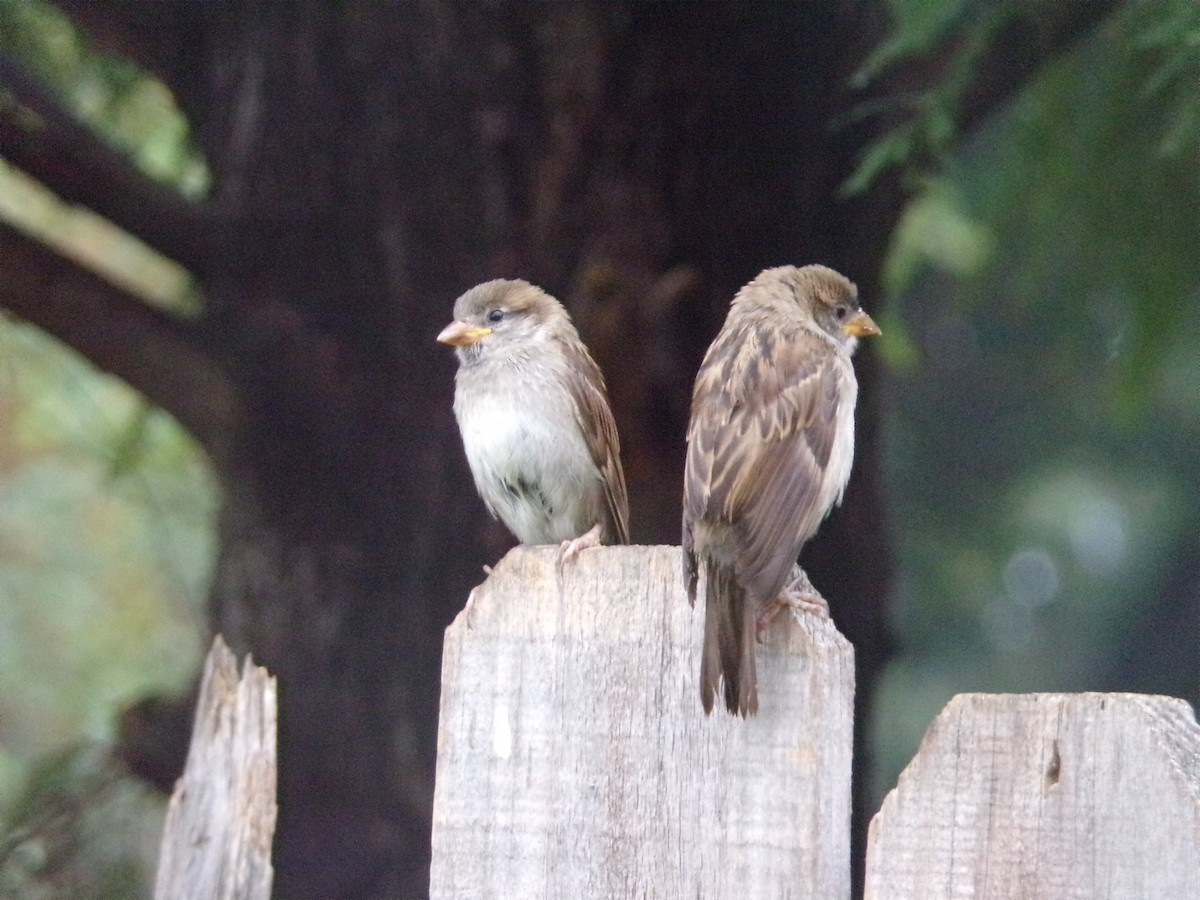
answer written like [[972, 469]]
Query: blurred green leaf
[[79, 830], [124, 105], [936, 230], [1168, 33], [897, 348], [917, 28], [892, 150]]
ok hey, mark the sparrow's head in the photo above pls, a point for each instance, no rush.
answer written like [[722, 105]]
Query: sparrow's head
[[504, 316], [819, 295]]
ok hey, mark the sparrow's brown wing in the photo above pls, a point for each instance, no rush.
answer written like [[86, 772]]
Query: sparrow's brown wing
[[599, 429], [763, 421]]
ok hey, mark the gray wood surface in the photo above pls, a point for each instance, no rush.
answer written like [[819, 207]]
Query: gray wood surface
[[575, 760], [221, 819], [1054, 796]]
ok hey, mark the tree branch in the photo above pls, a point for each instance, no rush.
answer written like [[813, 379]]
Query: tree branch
[[42, 139], [153, 352]]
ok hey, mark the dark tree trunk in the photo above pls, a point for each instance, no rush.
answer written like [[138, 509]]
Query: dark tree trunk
[[640, 162], [350, 178]]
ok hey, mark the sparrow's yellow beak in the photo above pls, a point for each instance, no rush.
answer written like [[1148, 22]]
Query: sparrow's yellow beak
[[462, 334], [860, 325]]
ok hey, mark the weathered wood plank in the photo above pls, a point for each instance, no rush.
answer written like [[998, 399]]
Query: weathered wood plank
[[221, 819], [1053, 796], [574, 759]]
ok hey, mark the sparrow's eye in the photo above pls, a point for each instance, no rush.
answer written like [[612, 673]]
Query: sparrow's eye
[[840, 313], [495, 316]]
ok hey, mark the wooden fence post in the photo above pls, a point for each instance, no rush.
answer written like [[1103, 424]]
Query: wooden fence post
[[1045, 797], [221, 819], [574, 759]]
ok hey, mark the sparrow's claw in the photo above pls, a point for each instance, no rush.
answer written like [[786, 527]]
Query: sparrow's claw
[[798, 594], [813, 603], [568, 550]]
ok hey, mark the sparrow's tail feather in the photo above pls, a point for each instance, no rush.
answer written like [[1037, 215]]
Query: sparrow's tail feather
[[728, 651], [748, 689]]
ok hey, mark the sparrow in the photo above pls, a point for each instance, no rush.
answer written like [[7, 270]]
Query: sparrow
[[535, 420], [770, 443]]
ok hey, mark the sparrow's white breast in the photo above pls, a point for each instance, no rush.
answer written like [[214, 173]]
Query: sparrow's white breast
[[528, 457], [841, 456]]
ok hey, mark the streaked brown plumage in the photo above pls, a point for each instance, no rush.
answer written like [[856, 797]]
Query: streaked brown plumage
[[535, 420], [770, 445]]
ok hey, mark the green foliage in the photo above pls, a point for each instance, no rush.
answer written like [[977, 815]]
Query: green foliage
[[1167, 34], [958, 32], [82, 829], [1044, 443], [1160, 39], [132, 111], [1073, 176], [936, 229], [106, 542], [918, 28], [106, 512]]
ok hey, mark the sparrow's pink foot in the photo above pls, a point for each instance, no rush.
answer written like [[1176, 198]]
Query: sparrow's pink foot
[[800, 594], [568, 550], [813, 604], [797, 594]]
